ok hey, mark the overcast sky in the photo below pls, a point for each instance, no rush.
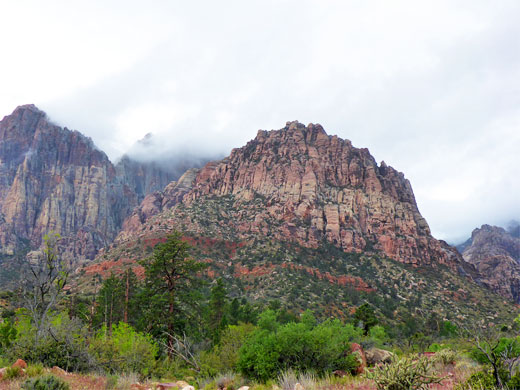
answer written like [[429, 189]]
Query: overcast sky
[[430, 87]]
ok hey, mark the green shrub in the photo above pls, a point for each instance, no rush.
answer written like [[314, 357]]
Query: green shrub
[[47, 382], [223, 357], [274, 348], [445, 357], [12, 372], [34, 370], [408, 373], [514, 383], [477, 381], [111, 382], [66, 347], [125, 350]]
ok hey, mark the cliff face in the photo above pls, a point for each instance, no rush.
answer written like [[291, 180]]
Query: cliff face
[[310, 188], [54, 179], [495, 252]]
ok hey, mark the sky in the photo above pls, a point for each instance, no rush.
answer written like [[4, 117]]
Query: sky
[[430, 87]]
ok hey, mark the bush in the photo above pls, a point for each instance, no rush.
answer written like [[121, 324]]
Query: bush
[[65, 345], [274, 348], [48, 382], [408, 373], [12, 372], [125, 350], [446, 356], [34, 370], [478, 380], [514, 383], [224, 356]]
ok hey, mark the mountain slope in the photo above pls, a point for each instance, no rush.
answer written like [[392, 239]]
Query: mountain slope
[[307, 218]]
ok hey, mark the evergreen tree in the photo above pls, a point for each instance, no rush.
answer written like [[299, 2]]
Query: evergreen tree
[[218, 307], [171, 286], [365, 317]]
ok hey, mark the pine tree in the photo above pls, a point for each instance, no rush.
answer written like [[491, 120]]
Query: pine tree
[[171, 282]]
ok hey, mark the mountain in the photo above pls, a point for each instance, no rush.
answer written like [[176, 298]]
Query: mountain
[[307, 218], [495, 252], [55, 179]]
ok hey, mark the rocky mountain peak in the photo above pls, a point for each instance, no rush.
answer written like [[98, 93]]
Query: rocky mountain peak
[[495, 252], [313, 188], [55, 179]]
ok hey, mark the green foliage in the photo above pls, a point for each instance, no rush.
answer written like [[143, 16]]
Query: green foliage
[[172, 289], [407, 373], [223, 357], [378, 334], [12, 372], [47, 382], [273, 348], [34, 370], [514, 382], [124, 350], [217, 310], [478, 380], [365, 317], [449, 329], [7, 334], [446, 356], [64, 346], [111, 382]]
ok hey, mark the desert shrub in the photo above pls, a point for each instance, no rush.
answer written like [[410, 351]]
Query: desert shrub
[[445, 357], [514, 383], [274, 348], [223, 357], [288, 379], [47, 382], [378, 334], [63, 345], [34, 370], [111, 382], [125, 350], [228, 380], [407, 373], [12, 372], [7, 334], [477, 381]]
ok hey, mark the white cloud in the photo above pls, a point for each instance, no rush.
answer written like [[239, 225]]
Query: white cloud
[[433, 88]]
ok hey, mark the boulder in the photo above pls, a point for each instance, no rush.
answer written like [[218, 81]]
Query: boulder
[[377, 356], [20, 363], [180, 385], [243, 388], [360, 353]]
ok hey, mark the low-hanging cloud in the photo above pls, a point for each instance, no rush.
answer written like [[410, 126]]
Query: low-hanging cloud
[[431, 88]]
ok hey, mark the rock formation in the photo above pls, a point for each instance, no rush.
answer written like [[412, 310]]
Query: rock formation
[[318, 188], [55, 179], [495, 252]]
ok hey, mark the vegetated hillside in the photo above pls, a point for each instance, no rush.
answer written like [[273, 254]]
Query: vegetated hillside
[[55, 179], [495, 252], [307, 218]]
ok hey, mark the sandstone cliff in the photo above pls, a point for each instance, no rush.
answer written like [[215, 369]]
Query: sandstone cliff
[[495, 252], [55, 179], [310, 188]]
